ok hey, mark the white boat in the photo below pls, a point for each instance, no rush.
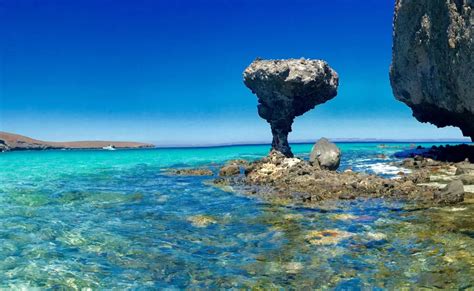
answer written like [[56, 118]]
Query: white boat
[[109, 148]]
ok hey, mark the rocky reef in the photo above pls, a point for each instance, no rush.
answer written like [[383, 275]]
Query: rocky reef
[[433, 67], [277, 178], [287, 89]]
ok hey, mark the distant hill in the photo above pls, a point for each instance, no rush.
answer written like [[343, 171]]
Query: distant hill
[[15, 142]]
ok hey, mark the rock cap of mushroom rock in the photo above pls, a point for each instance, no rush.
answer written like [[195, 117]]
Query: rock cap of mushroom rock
[[288, 88]]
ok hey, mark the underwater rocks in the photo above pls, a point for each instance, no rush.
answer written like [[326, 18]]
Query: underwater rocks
[[327, 237], [201, 220], [433, 61], [192, 172], [286, 89], [325, 154]]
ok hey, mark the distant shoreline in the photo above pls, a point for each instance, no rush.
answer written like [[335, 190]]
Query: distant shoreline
[[15, 142], [340, 141]]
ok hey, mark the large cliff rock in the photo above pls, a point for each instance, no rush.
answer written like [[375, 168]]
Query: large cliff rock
[[433, 69], [289, 88]]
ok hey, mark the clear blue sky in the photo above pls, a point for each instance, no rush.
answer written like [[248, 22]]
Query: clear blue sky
[[170, 71]]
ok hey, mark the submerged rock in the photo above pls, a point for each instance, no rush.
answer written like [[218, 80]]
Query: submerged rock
[[293, 267], [344, 217], [326, 155], [201, 220], [327, 237], [375, 236], [433, 61], [287, 89], [192, 172]]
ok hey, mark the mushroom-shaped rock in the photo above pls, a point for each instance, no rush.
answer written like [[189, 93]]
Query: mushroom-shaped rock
[[289, 88], [325, 154]]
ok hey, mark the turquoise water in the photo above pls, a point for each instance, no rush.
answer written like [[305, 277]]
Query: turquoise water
[[115, 219]]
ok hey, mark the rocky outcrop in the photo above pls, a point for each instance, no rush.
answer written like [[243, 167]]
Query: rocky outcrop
[[429, 172], [284, 180], [433, 67], [287, 89], [229, 170], [448, 153], [16, 142], [326, 155]]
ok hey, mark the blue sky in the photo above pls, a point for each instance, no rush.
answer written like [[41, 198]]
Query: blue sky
[[170, 71]]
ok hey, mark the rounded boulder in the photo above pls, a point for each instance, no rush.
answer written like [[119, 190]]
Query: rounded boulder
[[326, 155]]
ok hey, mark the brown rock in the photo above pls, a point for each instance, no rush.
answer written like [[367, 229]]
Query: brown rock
[[229, 170], [193, 172]]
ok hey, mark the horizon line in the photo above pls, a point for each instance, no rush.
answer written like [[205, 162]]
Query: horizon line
[[336, 140]]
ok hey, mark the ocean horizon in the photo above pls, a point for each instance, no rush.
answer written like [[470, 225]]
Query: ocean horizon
[[336, 140]]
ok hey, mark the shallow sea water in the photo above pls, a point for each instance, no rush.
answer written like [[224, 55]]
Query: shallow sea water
[[100, 219]]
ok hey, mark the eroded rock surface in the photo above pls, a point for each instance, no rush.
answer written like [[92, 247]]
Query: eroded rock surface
[[287, 89], [433, 68]]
